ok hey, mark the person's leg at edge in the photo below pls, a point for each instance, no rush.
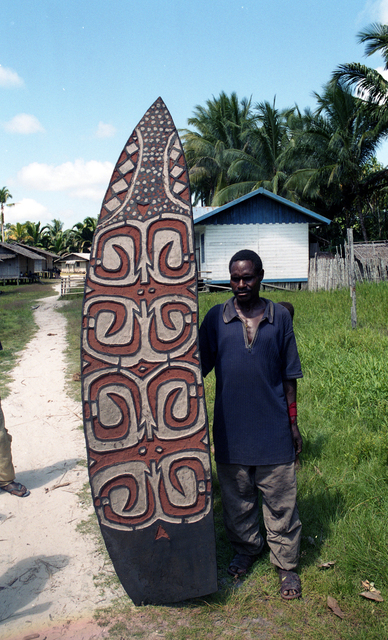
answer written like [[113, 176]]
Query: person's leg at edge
[[7, 471]]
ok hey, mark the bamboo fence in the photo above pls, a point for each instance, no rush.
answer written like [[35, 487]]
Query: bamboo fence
[[332, 272]]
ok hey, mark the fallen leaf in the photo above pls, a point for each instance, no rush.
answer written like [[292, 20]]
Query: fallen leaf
[[372, 595], [333, 605], [326, 565]]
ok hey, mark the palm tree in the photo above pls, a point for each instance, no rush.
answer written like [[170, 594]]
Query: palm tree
[[18, 232], [57, 240], [336, 143], [4, 196], [368, 82], [221, 126], [83, 233], [36, 234], [260, 163], [61, 242]]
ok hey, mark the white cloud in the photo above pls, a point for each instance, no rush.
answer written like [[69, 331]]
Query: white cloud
[[9, 78], [23, 123], [374, 11], [90, 193], [26, 209], [382, 11], [82, 179], [105, 130]]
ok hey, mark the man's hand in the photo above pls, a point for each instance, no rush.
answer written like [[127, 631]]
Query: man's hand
[[296, 437]]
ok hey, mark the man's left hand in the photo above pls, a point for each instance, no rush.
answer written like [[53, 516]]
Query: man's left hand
[[296, 437]]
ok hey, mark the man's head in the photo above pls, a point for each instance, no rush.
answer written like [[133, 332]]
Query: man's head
[[246, 274], [247, 254]]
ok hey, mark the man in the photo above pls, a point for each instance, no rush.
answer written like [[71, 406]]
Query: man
[[251, 344], [7, 473]]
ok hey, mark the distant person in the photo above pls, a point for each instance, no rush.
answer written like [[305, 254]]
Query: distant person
[[7, 472], [250, 343]]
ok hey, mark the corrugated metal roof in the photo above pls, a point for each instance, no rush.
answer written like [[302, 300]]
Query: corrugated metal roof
[[201, 211], [78, 256], [301, 212]]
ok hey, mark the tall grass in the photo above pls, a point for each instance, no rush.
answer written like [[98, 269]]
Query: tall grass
[[343, 484], [17, 325]]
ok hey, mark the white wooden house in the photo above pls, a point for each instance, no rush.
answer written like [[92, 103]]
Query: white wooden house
[[73, 263], [276, 228]]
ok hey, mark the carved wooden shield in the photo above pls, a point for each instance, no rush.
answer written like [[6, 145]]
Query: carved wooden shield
[[143, 399]]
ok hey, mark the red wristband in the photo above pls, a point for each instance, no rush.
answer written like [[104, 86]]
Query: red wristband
[[292, 412]]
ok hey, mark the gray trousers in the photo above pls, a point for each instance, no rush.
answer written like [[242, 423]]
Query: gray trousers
[[240, 486]]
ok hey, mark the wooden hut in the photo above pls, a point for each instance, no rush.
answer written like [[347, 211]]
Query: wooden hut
[[18, 263], [48, 258]]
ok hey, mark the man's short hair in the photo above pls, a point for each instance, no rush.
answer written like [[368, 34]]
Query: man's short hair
[[247, 254]]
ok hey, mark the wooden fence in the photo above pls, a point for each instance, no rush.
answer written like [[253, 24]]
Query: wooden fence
[[332, 272], [72, 285], [325, 272]]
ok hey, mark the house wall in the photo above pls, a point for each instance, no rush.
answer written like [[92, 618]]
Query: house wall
[[283, 249], [76, 266], [9, 268]]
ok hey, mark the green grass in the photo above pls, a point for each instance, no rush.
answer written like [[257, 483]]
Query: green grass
[[17, 324], [343, 489], [72, 311]]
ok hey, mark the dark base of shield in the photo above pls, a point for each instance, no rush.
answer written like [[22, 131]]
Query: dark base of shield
[[164, 570]]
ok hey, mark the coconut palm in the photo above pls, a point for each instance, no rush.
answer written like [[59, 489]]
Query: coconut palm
[[368, 82], [335, 144], [261, 162], [36, 234], [4, 196], [220, 127], [18, 233], [57, 239], [61, 242], [83, 233]]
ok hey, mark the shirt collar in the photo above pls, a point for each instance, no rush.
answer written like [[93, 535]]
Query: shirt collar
[[229, 311]]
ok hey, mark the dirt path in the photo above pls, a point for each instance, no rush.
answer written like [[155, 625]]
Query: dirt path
[[47, 566]]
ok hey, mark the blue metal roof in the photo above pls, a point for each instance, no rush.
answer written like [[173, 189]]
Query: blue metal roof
[[244, 211]]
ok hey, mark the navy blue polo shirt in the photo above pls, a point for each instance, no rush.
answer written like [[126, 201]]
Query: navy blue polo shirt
[[251, 424]]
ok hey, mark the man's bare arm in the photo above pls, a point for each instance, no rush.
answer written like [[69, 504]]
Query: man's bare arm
[[289, 387]]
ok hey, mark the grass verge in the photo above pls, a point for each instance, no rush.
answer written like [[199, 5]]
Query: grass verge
[[17, 325], [343, 497]]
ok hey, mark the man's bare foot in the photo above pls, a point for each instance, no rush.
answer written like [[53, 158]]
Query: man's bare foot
[[290, 586], [16, 489]]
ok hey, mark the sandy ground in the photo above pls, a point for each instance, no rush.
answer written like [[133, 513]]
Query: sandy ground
[[47, 589]]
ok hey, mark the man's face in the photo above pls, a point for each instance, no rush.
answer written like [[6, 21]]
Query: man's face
[[244, 281]]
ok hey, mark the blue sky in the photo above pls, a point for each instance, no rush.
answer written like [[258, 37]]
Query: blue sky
[[77, 76]]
